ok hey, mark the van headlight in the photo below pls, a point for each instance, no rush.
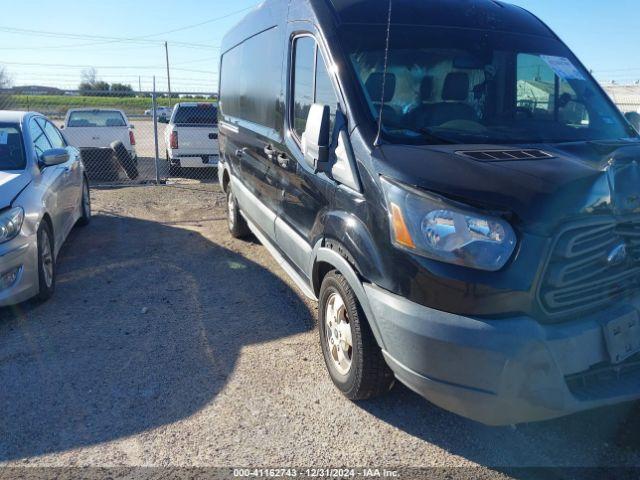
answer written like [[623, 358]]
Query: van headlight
[[434, 228], [11, 224]]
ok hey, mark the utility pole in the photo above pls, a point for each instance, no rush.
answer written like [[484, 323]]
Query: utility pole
[[166, 49], [139, 84]]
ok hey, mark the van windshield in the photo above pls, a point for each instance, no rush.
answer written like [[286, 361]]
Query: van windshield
[[454, 85]]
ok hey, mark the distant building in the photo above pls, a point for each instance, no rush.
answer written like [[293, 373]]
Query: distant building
[[627, 97]]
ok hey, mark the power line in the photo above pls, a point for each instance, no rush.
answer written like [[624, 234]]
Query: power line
[[104, 40], [106, 67]]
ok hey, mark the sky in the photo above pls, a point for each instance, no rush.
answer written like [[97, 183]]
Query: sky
[[49, 43]]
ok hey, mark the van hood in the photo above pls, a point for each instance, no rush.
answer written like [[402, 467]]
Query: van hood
[[585, 178], [11, 185]]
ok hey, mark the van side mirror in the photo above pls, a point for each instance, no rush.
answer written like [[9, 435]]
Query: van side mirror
[[634, 119], [55, 156], [316, 137]]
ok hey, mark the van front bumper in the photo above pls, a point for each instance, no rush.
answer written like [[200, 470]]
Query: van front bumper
[[503, 371]]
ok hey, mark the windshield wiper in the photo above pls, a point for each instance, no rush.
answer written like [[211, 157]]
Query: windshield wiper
[[433, 137]]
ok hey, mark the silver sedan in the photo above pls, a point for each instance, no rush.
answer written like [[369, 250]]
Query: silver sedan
[[44, 193]]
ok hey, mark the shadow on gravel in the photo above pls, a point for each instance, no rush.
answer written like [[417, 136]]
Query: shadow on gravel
[[607, 437], [94, 365]]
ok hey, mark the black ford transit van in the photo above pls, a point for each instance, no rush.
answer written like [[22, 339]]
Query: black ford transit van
[[453, 187]]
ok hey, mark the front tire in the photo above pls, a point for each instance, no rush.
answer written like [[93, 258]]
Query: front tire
[[46, 263], [237, 224], [350, 350]]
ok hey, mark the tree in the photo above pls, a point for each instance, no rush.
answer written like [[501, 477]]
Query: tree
[[89, 77], [122, 90], [5, 79]]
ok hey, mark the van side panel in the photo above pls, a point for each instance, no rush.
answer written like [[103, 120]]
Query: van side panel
[[251, 109]]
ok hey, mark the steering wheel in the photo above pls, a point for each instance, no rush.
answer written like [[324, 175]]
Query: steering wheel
[[526, 111], [467, 125]]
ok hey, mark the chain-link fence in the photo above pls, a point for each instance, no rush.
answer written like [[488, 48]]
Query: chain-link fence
[[123, 139]]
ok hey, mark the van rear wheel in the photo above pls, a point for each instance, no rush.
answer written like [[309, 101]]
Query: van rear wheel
[[350, 350], [237, 224]]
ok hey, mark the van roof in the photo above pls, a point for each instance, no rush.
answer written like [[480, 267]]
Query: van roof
[[480, 14]]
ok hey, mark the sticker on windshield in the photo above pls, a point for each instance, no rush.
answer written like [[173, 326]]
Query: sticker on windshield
[[563, 67], [4, 137]]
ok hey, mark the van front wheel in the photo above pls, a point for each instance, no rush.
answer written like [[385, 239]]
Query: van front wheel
[[350, 350]]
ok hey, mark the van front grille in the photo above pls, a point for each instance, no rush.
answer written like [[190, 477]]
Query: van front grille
[[591, 265]]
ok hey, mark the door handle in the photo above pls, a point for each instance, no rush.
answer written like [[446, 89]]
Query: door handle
[[269, 152], [283, 161]]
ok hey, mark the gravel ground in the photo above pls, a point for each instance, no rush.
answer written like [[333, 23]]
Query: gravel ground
[[170, 344]]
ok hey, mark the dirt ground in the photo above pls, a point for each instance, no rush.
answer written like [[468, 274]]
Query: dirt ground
[[170, 344]]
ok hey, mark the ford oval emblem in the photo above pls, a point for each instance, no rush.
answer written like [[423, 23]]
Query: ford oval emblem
[[618, 255]]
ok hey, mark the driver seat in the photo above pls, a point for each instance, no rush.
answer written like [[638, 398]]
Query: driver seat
[[454, 106]]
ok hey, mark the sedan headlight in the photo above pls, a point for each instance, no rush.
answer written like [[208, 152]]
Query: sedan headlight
[[434, 228], [11, 223]]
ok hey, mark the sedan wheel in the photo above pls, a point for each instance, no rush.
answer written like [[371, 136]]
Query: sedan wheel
[[85, 206], [46, 263], [46, 260]]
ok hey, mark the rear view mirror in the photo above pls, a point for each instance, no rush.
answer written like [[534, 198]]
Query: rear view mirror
[[54, 156], [316, 138], [634, 119]]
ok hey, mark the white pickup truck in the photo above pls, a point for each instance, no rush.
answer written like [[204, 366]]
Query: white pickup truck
[[88, 129], [191, 137]]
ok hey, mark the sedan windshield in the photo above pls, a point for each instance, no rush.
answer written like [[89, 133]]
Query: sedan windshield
[[453, 85], [11, 150]]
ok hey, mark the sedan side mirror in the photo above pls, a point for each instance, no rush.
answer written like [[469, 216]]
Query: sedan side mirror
[[316, 138], [634, 119], [55, 156]]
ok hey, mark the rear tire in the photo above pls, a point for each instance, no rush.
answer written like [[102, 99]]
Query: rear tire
[[237, 224], [85, 204], [46, 263], [350, 350], [174, 170]]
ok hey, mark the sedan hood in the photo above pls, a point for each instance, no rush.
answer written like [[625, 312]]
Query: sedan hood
[[586, 178], [11, 185]]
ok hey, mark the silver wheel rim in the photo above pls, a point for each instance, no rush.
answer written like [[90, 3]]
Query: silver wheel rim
[[86, 200], [338, 334], [47, 260], [231, 207]]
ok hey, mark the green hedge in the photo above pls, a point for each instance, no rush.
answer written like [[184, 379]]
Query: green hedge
[[59, 104]]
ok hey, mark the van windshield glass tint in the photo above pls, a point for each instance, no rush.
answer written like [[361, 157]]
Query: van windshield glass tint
[[11, 150], [96, 119], [452, 85], [200, 115]]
